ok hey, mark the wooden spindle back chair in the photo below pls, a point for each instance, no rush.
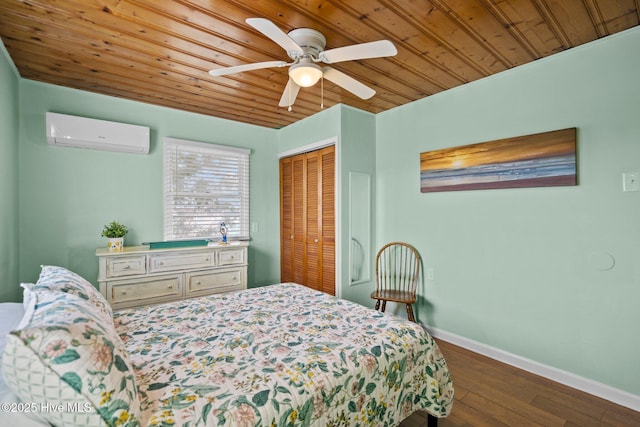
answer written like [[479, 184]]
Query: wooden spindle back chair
[[397, 274]]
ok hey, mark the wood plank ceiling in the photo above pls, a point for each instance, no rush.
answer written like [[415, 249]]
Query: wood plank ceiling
[[159, 51]]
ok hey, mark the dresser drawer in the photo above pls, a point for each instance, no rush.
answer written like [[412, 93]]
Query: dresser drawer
[[140, 292], [231, 257], [143, 276], [126, 266], [214, 282], [172, 262]]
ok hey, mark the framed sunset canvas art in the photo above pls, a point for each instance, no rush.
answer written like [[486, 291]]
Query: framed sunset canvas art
[[540, 160]]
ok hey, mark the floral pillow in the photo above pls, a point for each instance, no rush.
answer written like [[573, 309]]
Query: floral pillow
[[60, 279], [71, 363]]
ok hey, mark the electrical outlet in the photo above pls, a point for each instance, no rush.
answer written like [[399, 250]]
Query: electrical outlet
[[631, 181], [430, 274]]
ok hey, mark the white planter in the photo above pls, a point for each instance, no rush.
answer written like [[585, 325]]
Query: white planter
[[115, 244]]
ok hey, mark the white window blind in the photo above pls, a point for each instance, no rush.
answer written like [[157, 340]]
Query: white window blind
[[204, 185]]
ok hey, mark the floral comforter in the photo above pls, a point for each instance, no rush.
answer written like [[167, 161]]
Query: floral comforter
[[281, 355]]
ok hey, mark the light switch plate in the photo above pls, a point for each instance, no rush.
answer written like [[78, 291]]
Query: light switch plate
[[631, 181], [430, 274]]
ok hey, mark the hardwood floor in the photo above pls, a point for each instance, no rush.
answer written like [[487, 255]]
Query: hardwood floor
[[493, 394]]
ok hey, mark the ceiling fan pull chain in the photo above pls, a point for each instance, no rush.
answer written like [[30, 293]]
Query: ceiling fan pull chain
[[289, 95], [322, 92]]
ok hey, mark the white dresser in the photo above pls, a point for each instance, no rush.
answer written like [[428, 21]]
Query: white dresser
[[141, 276]]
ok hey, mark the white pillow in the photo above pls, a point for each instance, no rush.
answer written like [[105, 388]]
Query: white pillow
[[28, 304], [67, 355], [11, 314], [26, 294]]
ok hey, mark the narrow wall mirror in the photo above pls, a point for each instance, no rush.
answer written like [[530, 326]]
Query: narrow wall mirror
[[359, 227]]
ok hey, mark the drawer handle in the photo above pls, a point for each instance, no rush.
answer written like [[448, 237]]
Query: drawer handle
[[315, 240], [170, 287], [198, 282], [124, 293], [206, 259], [233, 278], [161, 263], [126, 267]]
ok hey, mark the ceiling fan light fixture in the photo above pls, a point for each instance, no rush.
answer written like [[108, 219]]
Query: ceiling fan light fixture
[[305, 74]]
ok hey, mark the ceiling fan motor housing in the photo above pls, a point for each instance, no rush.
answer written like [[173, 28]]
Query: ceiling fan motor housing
[[311, 41]]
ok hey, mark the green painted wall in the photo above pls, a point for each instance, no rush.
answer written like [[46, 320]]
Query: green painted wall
[[521, 269], [318, 127], [68, 194], [9, 137], [355, 132], [358, 155]]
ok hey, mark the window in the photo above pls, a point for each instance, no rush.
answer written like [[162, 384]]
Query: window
[[204, 185]]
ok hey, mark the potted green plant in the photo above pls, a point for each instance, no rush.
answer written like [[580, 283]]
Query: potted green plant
[[115, 232]]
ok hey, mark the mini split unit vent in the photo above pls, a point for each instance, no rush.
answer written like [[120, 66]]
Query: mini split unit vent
[[73, 131]]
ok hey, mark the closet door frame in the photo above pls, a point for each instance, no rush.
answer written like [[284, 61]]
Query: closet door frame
[[337, 198]]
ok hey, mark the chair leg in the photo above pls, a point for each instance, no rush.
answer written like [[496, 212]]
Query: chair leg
[[410, 313], [384, 306], [377, 304]]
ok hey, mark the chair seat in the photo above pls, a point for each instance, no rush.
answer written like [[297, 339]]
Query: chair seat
[[395, 296]]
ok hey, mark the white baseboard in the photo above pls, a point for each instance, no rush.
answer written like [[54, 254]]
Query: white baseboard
[[595, 388]]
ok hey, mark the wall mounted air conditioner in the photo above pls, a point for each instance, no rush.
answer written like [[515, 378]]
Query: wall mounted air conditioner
[[73, 131]]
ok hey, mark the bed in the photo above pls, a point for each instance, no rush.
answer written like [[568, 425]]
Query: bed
[[280, 355]]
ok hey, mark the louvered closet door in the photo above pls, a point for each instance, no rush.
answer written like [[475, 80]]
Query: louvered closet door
[[312, 221], [292, 214], [286, 220], [298, 273], [328, 224], [307, 216]]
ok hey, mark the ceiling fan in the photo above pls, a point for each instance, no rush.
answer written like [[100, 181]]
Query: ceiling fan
[[306, 48]]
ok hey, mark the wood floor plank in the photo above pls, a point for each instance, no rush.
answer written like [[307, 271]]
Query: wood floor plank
[[486, 383], [473, 416], [490, 393], [570, 414], [507, 415], [622, 417], [577, 402], [419, 419], [512, 402]]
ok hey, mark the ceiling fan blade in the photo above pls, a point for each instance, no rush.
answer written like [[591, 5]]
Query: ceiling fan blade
[[377, 49], [289, 95], [272, 31], [348, 83], [247, 67]]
